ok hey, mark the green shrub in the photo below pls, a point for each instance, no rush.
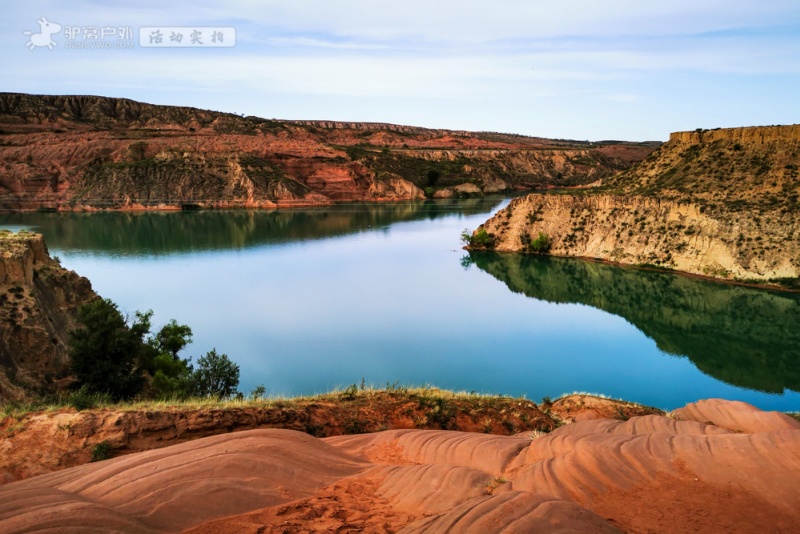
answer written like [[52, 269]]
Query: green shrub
[[258, 392], [101, 451], [350, 392], [83, 399], [540, 245], [479, 239]]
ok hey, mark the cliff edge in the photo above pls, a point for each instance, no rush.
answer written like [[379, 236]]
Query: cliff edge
[[39, 300], [720, 203]]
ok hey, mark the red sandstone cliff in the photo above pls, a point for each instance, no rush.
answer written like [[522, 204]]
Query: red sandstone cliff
[[77, 152]]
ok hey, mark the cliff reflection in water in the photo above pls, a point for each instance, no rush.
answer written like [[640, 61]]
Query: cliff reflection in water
[[745, 337], [165, 233]]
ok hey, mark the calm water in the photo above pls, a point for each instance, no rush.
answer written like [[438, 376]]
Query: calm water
[[309, 300]]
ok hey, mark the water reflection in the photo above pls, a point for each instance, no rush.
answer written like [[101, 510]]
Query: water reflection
[[742, 336], [162, 233]]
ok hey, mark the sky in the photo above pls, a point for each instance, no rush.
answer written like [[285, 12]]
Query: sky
[[574, 69]]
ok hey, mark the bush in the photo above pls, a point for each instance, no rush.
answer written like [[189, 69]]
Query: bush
[[172, 377], [101, 451], [541, 244], [258, 392], [479, 239]]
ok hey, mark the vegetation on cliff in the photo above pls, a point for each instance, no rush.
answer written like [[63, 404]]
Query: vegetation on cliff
[[727, 170], [39, 301]]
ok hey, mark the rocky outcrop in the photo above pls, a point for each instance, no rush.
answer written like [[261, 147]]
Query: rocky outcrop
[[644, 231], [753, 136], [686, 472], [720, 203], [38, 305], [86, 152]]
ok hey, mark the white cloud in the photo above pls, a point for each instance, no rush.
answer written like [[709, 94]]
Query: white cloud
[[443, 63]]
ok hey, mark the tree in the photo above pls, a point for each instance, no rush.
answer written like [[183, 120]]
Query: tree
[[432, 177], [104, 350], [172, 377], [479, 239], [216, 375], [173, 337]]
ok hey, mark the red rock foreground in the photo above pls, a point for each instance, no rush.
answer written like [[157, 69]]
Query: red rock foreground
[[714, 466]]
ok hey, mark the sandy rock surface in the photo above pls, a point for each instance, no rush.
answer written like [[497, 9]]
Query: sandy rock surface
[[713, 466]]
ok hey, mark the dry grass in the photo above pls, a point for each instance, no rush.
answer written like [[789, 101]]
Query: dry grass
[[351, 393]]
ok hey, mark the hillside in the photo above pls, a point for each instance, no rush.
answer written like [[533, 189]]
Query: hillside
[[38, 305], [720, 203], [84, 152]]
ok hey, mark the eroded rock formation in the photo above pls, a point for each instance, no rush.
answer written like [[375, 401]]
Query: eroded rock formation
[[718, 203]]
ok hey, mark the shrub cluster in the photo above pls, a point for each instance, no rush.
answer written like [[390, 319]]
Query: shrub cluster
[[114, 356]]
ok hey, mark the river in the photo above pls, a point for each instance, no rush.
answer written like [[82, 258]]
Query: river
[[309, 300]]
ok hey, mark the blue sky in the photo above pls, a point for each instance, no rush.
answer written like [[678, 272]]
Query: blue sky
[[578, 69]]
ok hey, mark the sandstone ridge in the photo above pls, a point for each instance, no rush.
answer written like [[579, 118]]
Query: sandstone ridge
[[757, 135]]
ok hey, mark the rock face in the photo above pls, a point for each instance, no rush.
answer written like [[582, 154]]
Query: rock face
[[720, 203], [688, 472], [38, 305], [85, 152]]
